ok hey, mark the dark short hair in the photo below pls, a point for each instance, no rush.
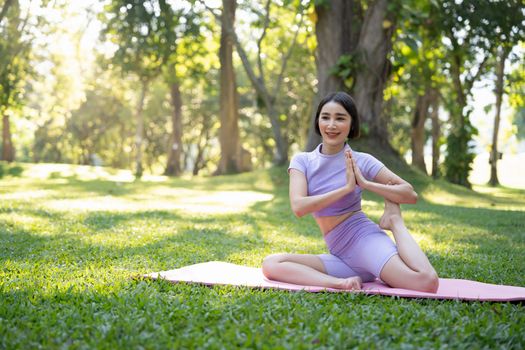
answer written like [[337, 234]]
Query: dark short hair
[[347, 102]]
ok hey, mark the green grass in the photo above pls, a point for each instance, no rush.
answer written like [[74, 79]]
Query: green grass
[[71, 238]]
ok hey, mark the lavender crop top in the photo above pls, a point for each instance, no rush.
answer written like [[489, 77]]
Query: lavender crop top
[[325, 173]]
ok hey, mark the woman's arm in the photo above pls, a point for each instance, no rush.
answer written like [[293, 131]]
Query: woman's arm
[[388, 185], [303, 204]]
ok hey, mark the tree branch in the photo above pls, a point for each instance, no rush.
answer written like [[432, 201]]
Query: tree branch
[[259, 42], [288, 54], [470, 82], [260, 88]]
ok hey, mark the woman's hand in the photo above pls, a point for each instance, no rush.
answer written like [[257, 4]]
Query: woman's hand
[[350, 174], [359, 178]]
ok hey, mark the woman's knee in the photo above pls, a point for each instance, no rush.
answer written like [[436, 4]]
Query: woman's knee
[[270, 263], [396, 274]]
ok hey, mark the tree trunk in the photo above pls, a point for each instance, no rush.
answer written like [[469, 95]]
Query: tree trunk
[[418, 130], [173, 168], [8, 153], [229, 130], [494, 154], [459, 156], [268, 98], [201, 146], [461, 99], [436, 133], [281, 150], [375, 43], [337, 31], [139, 136]]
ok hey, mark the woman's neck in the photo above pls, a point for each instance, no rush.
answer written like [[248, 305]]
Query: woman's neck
[[331, 149]]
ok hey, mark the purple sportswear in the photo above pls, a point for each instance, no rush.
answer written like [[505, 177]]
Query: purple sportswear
[[358, 246]]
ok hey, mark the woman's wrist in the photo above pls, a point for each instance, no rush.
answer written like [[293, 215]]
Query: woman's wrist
[[365, 185], [349, 188]]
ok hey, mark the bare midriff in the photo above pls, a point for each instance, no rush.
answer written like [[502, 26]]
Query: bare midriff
[[328, 223]]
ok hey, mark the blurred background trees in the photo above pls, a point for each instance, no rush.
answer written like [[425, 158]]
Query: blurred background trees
[[204, 87]]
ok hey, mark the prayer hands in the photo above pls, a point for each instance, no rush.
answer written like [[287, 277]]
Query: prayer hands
[[353, 173], [360, 179], [350, 174]]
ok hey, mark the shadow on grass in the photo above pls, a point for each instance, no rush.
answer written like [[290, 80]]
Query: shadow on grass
[[254, 181], [198, 240]]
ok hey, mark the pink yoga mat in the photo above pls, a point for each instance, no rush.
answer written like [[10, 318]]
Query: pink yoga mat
[[218, 272]]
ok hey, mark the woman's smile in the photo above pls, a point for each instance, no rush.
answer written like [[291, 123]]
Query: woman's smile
[[334, 124]]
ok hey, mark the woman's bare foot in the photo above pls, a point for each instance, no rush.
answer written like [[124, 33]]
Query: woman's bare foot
[[392, 212], [350, 283]]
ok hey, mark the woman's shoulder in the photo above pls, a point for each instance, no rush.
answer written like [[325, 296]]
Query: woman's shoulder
[[303, 161], [305, 155]]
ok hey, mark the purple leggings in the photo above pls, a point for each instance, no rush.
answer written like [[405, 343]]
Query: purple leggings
[[358, 247]]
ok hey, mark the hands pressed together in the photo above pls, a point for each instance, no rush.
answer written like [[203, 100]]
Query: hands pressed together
[[353, 173]]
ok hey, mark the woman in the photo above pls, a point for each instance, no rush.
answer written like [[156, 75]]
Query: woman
[[327, 182]]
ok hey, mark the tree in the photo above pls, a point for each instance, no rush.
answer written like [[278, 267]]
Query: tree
[[469, 37], [145, 42], [268, 86], [417, 61], [183, 33], [516, 94], [501, 57], [229, 99], [510, 29], [147, 34], [335, 45], [99, 127], [267, 95], [15, 50], [375, 43], [363, 35]]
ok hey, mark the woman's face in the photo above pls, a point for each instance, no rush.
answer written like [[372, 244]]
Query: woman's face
[[334, 123]]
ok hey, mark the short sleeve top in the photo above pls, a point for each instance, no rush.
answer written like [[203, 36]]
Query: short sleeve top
[[327, 172]]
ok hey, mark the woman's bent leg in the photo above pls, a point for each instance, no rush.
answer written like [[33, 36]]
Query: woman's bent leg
[[304, 269], [411, 268], [398, 275]]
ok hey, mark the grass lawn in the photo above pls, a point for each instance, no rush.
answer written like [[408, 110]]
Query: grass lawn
[[72, 237]]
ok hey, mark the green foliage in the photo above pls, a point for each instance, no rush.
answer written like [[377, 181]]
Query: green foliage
[[100, 126], [15, 170], [157, 115], [10, 169], [321, 3], [294, 95], [345, 69], [519, 121], [15, 51], [471, 38], [166, 41], [201, 124], [143, 34], [516, 93], [417, 67], [460, 155], [67, 274], [147, 34]]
